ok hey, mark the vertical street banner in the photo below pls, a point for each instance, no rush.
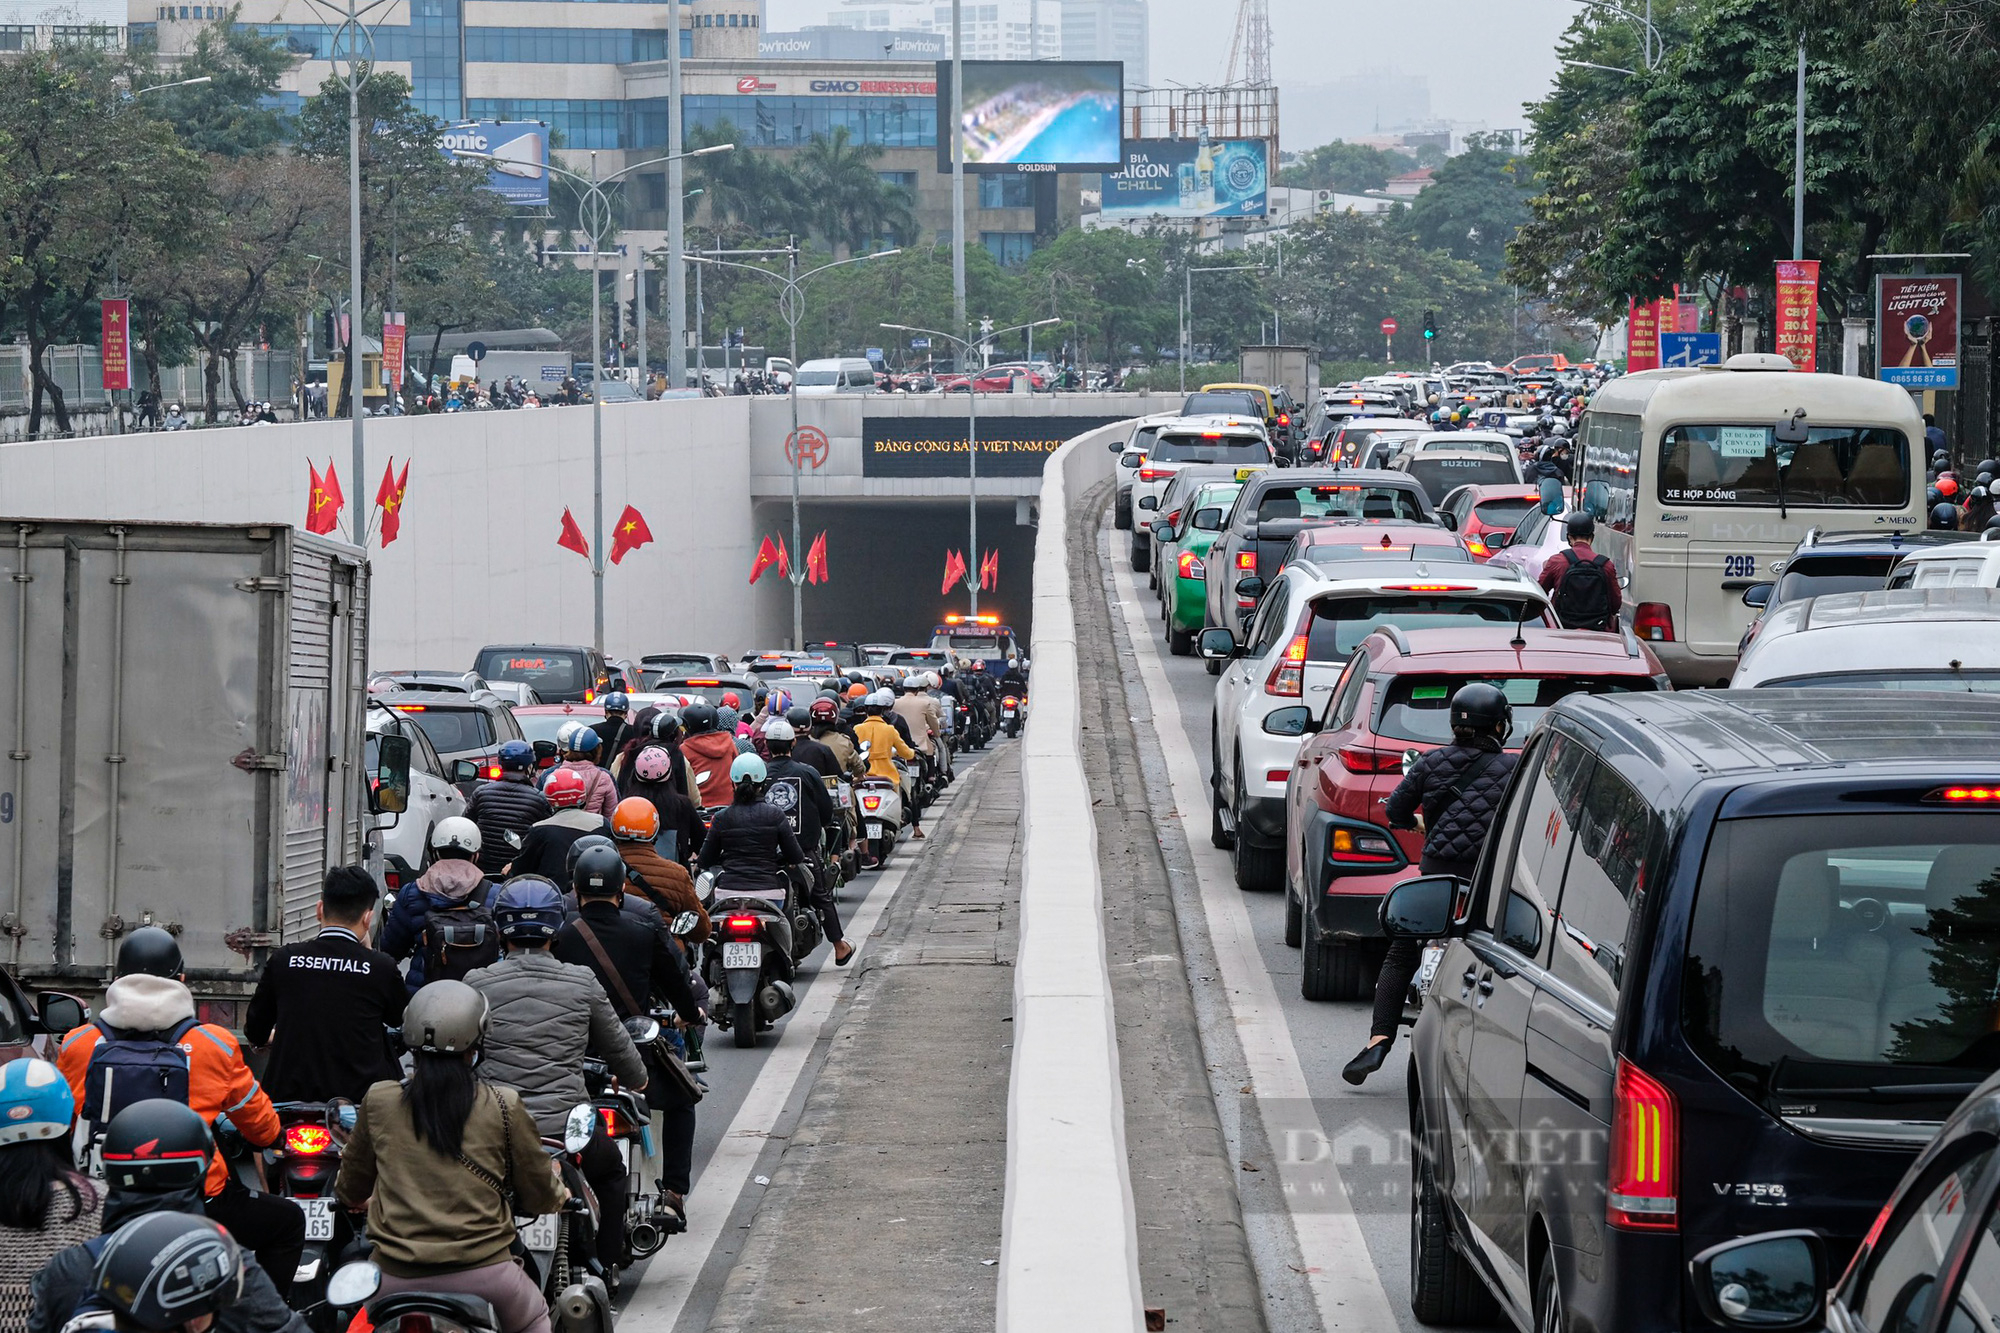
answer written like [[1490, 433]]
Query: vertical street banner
[[116, 344], [1916, 330], [1797, 305], [1642, 343], [394, 332]]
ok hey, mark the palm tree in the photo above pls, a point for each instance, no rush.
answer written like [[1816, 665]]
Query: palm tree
[[841, 190]]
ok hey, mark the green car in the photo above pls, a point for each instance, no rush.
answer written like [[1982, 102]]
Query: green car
[[1183, 576]]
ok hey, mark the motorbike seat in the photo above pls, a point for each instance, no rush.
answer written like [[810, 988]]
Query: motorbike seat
[[470, 1311]]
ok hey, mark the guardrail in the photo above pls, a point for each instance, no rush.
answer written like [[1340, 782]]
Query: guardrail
[[1069, 1247]]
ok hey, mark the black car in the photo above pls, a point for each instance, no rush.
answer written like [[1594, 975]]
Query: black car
[[1727, 963], [1828, 562], [557, 673]]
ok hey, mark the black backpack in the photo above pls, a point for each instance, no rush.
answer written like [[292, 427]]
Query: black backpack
[[130, 1066], [462, 938], [1583, 597]]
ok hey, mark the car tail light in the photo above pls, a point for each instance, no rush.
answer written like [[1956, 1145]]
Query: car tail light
[[1361, 759], [871, 803], [742, 927], [1280, 776], [1188, 565], [1155, 473], [1642, 1193], [1427, 587], [1288, 678], [307, 1140], [1965, 795], [1477, 547], [1246, 560], [1284, 418], [590, 696], [1654, 622], [493, 772], [1359, 847]]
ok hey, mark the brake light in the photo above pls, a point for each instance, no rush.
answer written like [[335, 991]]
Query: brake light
[[307, 1140], [1642, 1192], [614, 1123], [1477, 547], [1246, 560], [1361, 759], [1280, 776], [1284, 418], [871, 802], [1188, 565], [493, 772], [739, 926], [1964, 795], [1348, 847], [1654, 622], [413, 708], [1288, 678], [1155, 473], [1427, 587]]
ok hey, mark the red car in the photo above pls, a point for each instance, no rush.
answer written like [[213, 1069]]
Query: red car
[[1391, 703], [1486, 516], [1374, 539]]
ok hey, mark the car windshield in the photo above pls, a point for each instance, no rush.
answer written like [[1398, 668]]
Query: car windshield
[[1460, 444], [1815, 576], [544, 726], [452, 729], [1339, 624], [967, 643], [1208, 448], [654, 670], [1226, 402], [1838, 467], [1418, 708], [840, 657], [806, 378], [548, 672], [1336, 500], [1503, 513], [1439, 476], [1847, 963]]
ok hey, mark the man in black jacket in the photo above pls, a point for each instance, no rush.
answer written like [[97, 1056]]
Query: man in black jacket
[[799, 791], [1458, 789], [636, 960], [323, 1007], [511, 803]]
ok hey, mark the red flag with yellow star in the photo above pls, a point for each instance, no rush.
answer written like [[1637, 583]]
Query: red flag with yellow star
[[389, 496], [323, 501], [631, 534], [572, 537]]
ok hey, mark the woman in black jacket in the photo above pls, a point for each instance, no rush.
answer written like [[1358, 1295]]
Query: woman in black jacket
[[751, 841]]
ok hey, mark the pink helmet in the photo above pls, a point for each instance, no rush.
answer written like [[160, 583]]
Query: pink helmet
[[653, 764]]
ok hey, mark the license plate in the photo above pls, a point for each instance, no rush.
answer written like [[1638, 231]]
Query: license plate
[[874, 828], [1010, 715], [1433, 955], [540, 1234], [743, 955], [319, 1218], [846, 795]]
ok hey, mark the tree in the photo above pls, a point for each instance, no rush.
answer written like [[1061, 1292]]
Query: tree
[[847, 199], [748, 187], [1350, 168], [1474, 205], [235, 113]]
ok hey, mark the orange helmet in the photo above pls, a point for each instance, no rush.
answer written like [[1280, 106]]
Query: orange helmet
[[857, 691], [566, 789], [635, 820]]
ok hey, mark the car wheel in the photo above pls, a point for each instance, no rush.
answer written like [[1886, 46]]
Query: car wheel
[[1142, 555], [1549, 1316], [1258, 869], [1333, 969], [1295, 913], [1121, 512], [1180, 642], [1444, 1289]]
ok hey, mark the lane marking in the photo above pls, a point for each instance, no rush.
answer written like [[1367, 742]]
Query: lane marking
[[1340, 1269]]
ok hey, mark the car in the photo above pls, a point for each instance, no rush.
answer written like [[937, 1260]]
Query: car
[[1391, 704], [1714, 969], [1460, 441], [1234, 441], [711, 686], [512, 693], [834, 375], [1308, 623], [616, 391], [1131, 449], [1232, 400], [1170, 513], [1442, 471], [1827, 562], [1935, 639], [1536, 364], [559, 673], [875, 654], [1274, 506], [1538, 536], [1973, 564], [1484, 517], [448, 682], [1357, 539], [1269, 405], [467, 731], [654, 666], [405, 838], [540, 723], [1183, 539], [1343, 444]]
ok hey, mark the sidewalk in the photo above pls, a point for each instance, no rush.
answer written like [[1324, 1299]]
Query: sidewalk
[[884, 1211]]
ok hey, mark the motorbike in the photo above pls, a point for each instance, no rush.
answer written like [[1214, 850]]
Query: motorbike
[[881, 816], [750, 956], [842, 846], [1013, 708], [561, 1247], [301, 1166], [628, 1122]]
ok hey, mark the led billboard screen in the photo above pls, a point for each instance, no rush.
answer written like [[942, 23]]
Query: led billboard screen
[[1044, 115], [1190, 178]]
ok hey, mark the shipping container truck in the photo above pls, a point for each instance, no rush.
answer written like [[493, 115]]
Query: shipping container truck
[[1294, 367], [183, 708]]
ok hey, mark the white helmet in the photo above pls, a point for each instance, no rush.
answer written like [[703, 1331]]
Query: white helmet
[[780, 730], [913, 683], [566, 735], [881, 699], [456, 834], [930, 680]]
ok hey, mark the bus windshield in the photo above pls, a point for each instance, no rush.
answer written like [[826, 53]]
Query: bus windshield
[[1838, 467]]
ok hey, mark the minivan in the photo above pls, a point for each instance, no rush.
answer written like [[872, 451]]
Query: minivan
[[1726, 964], [841, 374], [557, 673]]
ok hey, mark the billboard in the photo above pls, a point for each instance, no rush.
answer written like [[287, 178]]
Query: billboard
[[520, 173], [935, 446], [1916, 330], [1797, 312], [1040, 115], [1190, 178]]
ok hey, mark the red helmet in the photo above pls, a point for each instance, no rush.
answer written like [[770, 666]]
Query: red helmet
[[1947, 485], [824, 710], [566, 789], [730, 699]]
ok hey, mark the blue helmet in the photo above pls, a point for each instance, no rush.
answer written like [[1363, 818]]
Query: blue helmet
[[616, 702], [529, 908], [585, 741], [35, 1101], [748, 766], [518, 756]]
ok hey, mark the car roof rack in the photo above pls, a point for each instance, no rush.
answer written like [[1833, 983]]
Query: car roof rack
[[1631, 641], [1395, 635], [1812, 536]]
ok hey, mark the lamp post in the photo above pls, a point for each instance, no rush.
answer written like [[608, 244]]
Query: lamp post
[[1187, 306], [595, 213], [791, 307], [1655, 45], [964, 349], [639, 305]]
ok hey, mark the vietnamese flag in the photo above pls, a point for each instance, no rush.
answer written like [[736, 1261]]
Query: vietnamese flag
[[632, 533], [816, 561], [954, 570], [989, 571], [767, 555], [323, 501], [572, 537], [784, 559], [389, 496]]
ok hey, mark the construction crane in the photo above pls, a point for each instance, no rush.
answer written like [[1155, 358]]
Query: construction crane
[[1250, 52]]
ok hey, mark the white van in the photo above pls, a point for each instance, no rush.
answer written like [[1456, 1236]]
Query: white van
[[838, 374], [1959, 565]]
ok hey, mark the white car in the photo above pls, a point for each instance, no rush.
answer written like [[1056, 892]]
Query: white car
[[405, 838], [835, 374], [1308, 622], [1131, 451], [1936, 639], [1177, 443], [1442, 471], [1474, 441], [1959, 565]]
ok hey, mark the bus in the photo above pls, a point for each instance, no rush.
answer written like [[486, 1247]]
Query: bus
[[980, 637], [1703, 481]]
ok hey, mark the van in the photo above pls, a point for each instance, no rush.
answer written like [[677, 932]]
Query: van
[[1717, 971], [1971, 564], [831, 375]]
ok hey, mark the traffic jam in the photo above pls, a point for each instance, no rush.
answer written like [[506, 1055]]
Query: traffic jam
[[1610, 758]]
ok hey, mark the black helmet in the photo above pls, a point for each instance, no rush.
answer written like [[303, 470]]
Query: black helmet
[[698, 717], [1580, 525], [577, 849], [164, 1269], [799, 716], [1942, 516], [157, 1146], [1933, 496], [598, 872], [1482, 708], [1993, 523], [1988, 465], [666, 725], [152, 951]]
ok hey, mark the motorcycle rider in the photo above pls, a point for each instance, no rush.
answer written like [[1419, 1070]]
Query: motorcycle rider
[[1014, 680], [921, 714], [323, 1007], [545, 1016], [444, 1159], [163, 1273], [545, 851], [580, 750], [799, 790], [886, 745], [454, 883], [150, 1004], [826, 731], [806, 747], [611, 731], [46, 1204], [635, 829], [679, 821], [510, 803], [709, 752], [750, 841]]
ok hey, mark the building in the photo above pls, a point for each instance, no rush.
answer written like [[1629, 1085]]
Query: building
[[1109, 30], [991, 29], [32, 25], [831, 43]]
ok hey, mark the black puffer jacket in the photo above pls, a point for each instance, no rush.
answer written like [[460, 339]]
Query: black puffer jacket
[[1456, 825], [509, 804], [748, 843]]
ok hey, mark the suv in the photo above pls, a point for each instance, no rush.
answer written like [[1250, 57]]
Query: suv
[[1344, 442], [1941, 639], [1231, 441], [655, 667], [405, 839], [1443, 470], [1310, 621], [1973, 565], [1392, 704], [557, 673], [466, 730], [1131, 450], [1715, 969], [1839, 562]]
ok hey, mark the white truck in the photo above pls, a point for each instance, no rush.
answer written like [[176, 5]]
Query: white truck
[[1294, 367], [543, 372], [183, 709]]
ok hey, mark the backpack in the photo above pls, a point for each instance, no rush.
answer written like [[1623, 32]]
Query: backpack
[[1583, 598], [132, 1066], [462, 938]]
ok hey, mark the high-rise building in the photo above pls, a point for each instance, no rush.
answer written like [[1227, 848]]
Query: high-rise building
[[993, 30], [1108, 30]]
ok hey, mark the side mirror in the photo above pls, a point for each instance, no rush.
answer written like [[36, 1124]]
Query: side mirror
[[1217, 644], [389, 784], [60, 1013], [1597, 499], [1758, 595], [1149, 502], [582, 1123], [544, 751], [1163, 531], [1116, 446], [1495, 540], [643, 1029], [684, 924], [1250, 586], [352, 1284], [1771, 1281], [1293, 721], [1447, 520], [465, 770], [1207, 520], [1420, 909]]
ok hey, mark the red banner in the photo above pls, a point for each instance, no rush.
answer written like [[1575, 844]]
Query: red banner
[[394, 332], [1797, 332], [1642, 341], [116, 344]]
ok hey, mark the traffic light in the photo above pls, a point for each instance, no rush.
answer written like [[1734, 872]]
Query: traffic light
[[632, 312], [1430, 326]]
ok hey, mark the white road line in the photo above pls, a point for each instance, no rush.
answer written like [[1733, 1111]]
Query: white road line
[[657, 1302], [1340, 1269]]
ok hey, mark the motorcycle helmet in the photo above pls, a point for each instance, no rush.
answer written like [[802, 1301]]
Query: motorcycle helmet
[[152, 951], [1933, 496], [1993, 523], [566, 789], [780, 733], [160, 1271], [1944, 516], [598, 873], [156, 1146], [731, 699], [516, 756], [35, 1101], [584, 741], [530, 909], [653, 764], [666, 725], [798, 717], [1947, 485], [576, 849], [777, 702], [1482, 708], [882, 699], [698, 717], [824, 710], [726, 719], [616, 702], [566, 735], [857, 691], [635, 820], [748, 766], [449, 1017], [456, 833]]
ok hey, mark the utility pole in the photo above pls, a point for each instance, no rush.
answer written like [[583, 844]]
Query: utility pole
[[676, 216], [958, 173], [1799, 161]]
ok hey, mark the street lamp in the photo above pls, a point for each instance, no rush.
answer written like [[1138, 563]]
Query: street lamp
[[963, 346], [791, 307], [1608, 69], [1187, 306], [1656, 46], [178, 83], [595, 214]]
